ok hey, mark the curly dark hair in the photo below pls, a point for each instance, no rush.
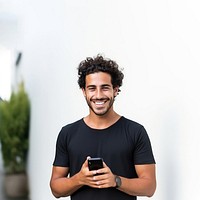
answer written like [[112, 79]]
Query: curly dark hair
[[99, 64]]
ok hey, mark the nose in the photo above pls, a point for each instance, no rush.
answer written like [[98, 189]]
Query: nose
[[98, 93]]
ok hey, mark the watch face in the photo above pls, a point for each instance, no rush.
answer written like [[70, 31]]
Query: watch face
[[118, 181]]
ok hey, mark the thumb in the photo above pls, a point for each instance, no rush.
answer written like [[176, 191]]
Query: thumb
[[85, 164], [104, 164]]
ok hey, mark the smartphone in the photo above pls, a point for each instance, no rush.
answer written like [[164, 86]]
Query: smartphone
[[95, 163]]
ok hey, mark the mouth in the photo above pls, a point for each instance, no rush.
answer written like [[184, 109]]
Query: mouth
[[99, 102]]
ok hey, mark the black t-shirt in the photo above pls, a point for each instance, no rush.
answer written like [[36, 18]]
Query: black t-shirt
[[122, 145]]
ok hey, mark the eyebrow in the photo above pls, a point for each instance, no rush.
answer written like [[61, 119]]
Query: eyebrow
[[104, 85]]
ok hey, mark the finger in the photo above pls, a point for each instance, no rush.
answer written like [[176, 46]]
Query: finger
[[104, 164], [85, 164], [88, 157], [103, 170]]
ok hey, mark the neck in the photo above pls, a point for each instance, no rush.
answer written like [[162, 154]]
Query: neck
[[101, 122]]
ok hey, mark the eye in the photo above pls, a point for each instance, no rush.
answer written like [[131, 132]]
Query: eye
[[105, 88], [91, 88]]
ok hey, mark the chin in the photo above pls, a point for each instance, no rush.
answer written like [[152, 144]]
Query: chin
[[101, 113]]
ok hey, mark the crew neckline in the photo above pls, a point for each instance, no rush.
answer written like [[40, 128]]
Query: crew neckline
[[96, 129]]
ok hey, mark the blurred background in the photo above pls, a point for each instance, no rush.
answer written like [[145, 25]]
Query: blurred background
[[158, 45]]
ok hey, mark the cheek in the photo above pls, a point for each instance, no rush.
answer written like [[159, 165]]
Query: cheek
[[89, 96]]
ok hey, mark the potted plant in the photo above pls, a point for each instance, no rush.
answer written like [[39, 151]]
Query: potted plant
[[14, 139]]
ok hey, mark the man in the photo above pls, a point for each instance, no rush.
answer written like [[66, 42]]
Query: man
[[129, 166]]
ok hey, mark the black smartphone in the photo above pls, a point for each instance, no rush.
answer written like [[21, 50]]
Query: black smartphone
[[95, 163]]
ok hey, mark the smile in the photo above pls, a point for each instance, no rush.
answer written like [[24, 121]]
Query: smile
[[99, 102]]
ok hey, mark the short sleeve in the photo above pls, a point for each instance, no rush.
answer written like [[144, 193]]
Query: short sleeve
[[61, 156], [143, 151]]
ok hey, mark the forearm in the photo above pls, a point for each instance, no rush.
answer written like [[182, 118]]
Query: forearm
[[138, 186], [62, 187]]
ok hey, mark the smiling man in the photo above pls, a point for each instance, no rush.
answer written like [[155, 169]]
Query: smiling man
[[99, 93], [128, 163]]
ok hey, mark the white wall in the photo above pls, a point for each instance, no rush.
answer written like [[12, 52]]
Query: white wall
[[157, 44]]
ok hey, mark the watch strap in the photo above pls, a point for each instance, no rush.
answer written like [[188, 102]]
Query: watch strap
[[118, 181]]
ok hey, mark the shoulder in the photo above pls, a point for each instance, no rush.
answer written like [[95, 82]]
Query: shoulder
[[131, 124], [134, 129], [70, 128], [73, 125]]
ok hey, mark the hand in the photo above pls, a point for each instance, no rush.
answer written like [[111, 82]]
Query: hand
[[85, 176], [104, 178]]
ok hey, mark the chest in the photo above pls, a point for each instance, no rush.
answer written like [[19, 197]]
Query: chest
[[115, 144]]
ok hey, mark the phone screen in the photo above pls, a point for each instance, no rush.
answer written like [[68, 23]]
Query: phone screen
[[95, 163]]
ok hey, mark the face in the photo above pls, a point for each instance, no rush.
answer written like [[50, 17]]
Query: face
[[99, 93]]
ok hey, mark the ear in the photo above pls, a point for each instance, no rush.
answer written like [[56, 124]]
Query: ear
[[116, 91], [83, 90]]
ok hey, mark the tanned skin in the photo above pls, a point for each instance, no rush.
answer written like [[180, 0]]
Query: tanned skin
[[100, 94]]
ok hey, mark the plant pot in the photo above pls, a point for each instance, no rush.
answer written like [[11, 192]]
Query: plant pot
[[16, 185]]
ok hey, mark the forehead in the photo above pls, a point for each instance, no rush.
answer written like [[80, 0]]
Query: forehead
[[98, 78]]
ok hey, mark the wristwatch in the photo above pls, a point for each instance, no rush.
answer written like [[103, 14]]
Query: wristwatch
[[118, 181]]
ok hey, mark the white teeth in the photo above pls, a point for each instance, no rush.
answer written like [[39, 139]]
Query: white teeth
[[99, 103]]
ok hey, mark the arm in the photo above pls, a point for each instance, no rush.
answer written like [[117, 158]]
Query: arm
[[144, 185], [62, 186]]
